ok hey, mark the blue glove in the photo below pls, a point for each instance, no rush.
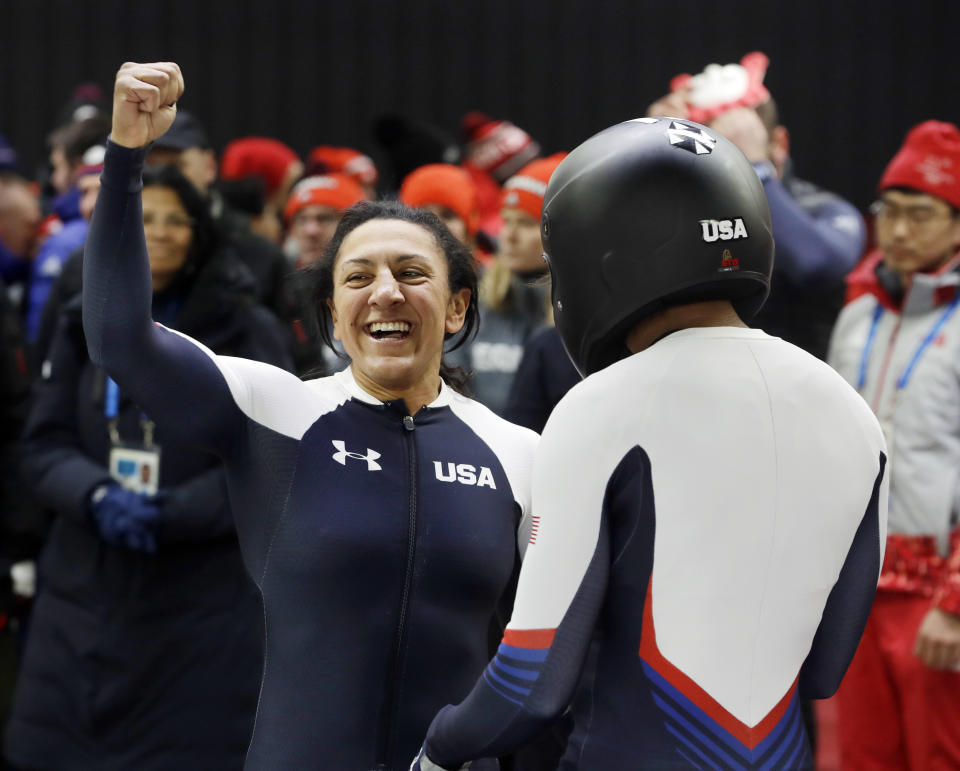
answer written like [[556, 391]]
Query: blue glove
[[125, 518]]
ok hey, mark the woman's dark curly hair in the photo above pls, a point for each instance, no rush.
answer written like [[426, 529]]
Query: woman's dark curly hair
[[205, 240], [461, 271]]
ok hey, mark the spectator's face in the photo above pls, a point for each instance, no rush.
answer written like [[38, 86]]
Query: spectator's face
[[169, 232], [195, 163], [451, 219], [60, 170], [19, 219], [89, 187], [520, 246], [393, 273], [311, 229], [916, 231]]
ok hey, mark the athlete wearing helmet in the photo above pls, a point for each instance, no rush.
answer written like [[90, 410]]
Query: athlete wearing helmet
[[709, 503]]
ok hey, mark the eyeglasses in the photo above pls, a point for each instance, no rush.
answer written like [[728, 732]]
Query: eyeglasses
[[174, 221], [887, 213]]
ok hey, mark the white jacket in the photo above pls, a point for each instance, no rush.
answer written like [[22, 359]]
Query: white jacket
[[906, 364]]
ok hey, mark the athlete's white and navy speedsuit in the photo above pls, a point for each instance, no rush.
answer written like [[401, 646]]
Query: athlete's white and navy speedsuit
[[715, 507], [381, 542]]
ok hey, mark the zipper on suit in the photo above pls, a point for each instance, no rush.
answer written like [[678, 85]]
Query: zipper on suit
[[388, 715]]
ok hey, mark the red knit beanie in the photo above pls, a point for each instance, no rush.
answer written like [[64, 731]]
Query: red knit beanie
[[497, 146], [325, 159], [928, 162], [526, 189], [260, 157], [444, 185], [338, 191]]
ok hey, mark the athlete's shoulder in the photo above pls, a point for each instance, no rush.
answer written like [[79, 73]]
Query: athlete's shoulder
[[278, 399], [486, 422], [818, 394]]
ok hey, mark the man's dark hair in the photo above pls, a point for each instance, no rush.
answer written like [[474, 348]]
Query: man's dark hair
[[769, 115], [461, 271], [78, 137]]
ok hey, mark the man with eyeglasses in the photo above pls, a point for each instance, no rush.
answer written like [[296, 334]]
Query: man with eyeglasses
[[898, 343]]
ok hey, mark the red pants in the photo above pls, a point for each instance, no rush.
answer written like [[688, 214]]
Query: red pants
[[894, 712]]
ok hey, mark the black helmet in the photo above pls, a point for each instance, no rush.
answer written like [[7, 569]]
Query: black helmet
[[650, 213]]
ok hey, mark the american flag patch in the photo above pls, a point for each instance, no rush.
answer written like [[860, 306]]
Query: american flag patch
[[534, 528]]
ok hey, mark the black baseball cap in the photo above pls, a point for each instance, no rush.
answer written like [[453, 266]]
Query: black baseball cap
[[186, 132]]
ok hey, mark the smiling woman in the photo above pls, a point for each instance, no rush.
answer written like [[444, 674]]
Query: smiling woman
[[378, 567], [393, 285]]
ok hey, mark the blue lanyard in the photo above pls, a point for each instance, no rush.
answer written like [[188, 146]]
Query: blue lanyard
[[917, 355], [111, 401]]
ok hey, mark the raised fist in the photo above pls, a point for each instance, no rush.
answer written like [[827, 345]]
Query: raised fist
[[144, 102]]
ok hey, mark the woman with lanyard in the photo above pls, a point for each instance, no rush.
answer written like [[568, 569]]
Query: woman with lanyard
[[379, 512], [145, 645], [898, 342]]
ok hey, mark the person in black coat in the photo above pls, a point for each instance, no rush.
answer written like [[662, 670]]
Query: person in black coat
[[22, 524], [543, 378], [145, 649]]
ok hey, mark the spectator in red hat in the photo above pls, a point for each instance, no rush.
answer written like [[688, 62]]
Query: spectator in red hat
[[325, 159], [275, 165], [495, 151], [313, 212], [311, 215], [819, 236], [898, 343], [450, 193], [514, 292]]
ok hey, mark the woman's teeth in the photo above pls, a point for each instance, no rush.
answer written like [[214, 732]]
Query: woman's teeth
[[383, 328]]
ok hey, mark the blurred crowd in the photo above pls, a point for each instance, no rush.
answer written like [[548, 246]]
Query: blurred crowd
[[108, 561]]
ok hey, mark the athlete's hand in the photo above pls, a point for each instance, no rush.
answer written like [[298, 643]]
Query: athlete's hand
[[938, 641], [144, 102], [743, 127]]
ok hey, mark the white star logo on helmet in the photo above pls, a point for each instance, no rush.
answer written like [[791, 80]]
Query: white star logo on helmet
[[690, 138]]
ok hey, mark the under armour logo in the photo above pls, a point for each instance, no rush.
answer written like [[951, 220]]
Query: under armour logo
[[341, 455], [694, 140]]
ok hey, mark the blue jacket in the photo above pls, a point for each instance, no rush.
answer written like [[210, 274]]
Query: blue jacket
[[47, 267]]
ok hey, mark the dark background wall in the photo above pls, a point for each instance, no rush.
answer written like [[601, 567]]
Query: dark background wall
[[850, 77]]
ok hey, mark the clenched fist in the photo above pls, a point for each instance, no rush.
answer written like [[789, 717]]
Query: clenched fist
[[144, 102]]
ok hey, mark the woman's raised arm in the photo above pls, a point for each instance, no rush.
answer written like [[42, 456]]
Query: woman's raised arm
[[175, 380]]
